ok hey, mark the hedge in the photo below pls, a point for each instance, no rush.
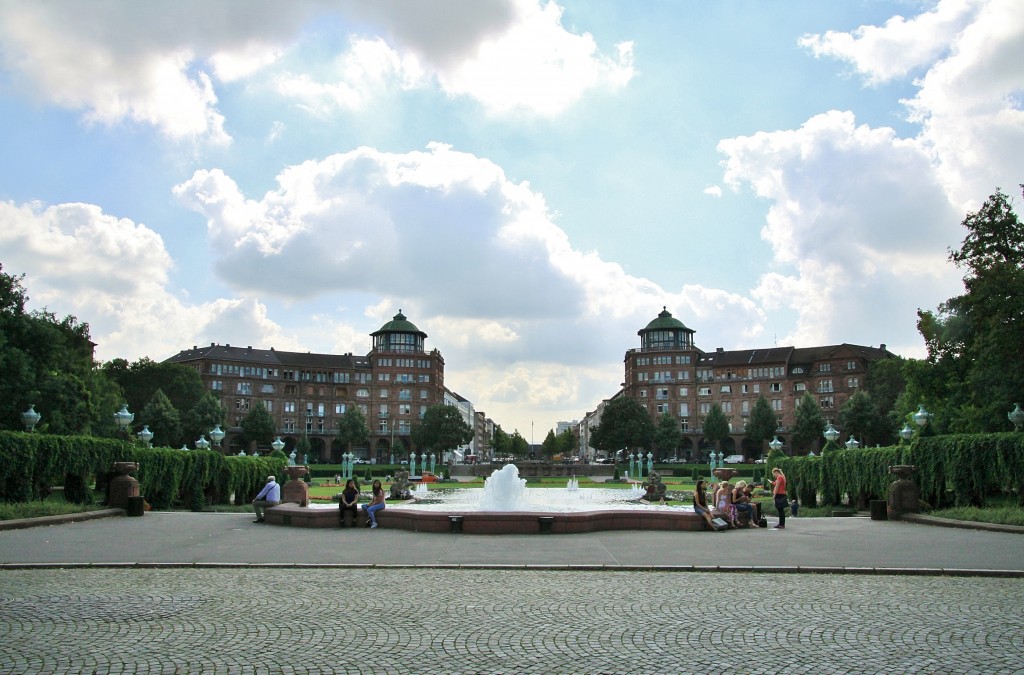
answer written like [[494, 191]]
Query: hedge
[[31, 463], [965, 469]]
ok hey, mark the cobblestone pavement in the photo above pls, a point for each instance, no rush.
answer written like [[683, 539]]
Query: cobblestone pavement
[[422, 620]]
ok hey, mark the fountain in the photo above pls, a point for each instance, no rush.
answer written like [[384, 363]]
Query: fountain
[[506, 506]]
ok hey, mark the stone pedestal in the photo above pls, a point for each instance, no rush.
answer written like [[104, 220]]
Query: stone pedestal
[[725, 474], [903, 493], [122, 486], [296, 490]]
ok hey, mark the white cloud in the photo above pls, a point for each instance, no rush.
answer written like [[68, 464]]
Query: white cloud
[[713, 190], [861, 217], [112, 274], [900, 46], [160, 64], [970, 99]]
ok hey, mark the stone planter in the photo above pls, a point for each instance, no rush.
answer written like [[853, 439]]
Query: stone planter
[[726, 474], [122, 486]]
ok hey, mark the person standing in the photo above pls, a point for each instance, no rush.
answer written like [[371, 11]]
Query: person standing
[[779, 494], [349, 501], [270, 495], [376, 503]]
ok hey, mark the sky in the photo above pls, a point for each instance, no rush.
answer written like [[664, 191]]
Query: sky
[[530, 183]]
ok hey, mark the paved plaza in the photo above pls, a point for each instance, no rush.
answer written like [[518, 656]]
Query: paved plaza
[[197, 593]]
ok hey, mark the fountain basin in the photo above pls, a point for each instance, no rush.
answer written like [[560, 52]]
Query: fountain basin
[[408, 517]]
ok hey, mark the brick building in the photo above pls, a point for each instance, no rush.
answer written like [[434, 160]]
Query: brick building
[[306, 393], [670, 374]]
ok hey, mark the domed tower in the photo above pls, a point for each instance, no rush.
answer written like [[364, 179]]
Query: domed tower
[[399, 335], [665, 332], [405, 379], [660, 375]]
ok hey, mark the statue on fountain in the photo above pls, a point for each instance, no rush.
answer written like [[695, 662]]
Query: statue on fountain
[[400, 486], [654, 489]]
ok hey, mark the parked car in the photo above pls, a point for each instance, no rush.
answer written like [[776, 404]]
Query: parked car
[[760, 461], [733, 459]]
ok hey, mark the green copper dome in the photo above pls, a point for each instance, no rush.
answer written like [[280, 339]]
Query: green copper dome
[[665, 322], [399, 324]]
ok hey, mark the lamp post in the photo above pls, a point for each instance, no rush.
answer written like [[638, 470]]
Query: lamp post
[[146, 436], [1016, 416], [775, 444], [184, 446], [922, 417], [123, 418], [202, 443], [906, 433], [831, 436], [278, 444], [852, 443], [216, 435], [30, 418]]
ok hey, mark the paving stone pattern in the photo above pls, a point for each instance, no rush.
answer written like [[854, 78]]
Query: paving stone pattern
[[423, 620]]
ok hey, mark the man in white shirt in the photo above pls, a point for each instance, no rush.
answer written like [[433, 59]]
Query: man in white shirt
[[270, 495]]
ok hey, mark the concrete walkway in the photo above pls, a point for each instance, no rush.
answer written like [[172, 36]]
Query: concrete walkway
[[810, 544], [181, 593]]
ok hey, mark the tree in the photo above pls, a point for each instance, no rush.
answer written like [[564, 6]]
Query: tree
[[163, 420], [352, 429], [716, 426], [45, 361], [624, 425], [181, 384], [667, 436], [809, 424], [501, 443], [518, 446], [886, 383], [975, 341], [763, 423], [549, 448], [857, 418], [442, 428], [203, 417], [258, 427]]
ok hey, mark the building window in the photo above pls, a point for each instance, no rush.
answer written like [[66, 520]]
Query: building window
[[404, 409], [362, 393], [423, 378], [661, 394], [289, 424], [244, 388], [405, 394], [826, 402], [269, 405], [642, 377], [825, 387], [643, 393], [383, 410], [684, 391], [851, 365], [776, 404], [725, 389], [704, 391], [339, 408], [776, 386], [684, 375], [267, 389], [383, 393], [727, 406], [744, 388], [383, 377], [423, 394], [662, 408], [757, 388], [683, 359], [242, 404], [800, 386], [289, 406], [684, 409], [853, 382], [217, 385], [825, 367], [745, 407], [705, 408], [684, 425]]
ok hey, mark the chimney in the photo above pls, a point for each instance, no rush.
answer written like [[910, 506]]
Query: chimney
[[719, 350], [882, 346]]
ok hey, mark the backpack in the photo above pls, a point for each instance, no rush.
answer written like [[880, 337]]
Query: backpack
[[763, 522]]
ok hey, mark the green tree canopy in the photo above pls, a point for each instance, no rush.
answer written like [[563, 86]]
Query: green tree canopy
[[624, 425], [976, 340], [549, 448], [667, 435], [352, 428], [716, 426], [140, 379], [763, 423], [202, 418], [808, 426], [163, 420], [442, 428], [258, 427]]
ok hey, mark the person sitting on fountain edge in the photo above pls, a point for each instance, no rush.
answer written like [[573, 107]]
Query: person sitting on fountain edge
[[270, 495], [700, 503], [349, 502], [375, 505]]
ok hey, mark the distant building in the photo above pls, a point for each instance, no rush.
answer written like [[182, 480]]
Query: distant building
[[307, 393], [669, 374]]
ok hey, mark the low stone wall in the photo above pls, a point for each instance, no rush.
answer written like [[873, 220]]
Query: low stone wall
[[494, 522], [536, 469]]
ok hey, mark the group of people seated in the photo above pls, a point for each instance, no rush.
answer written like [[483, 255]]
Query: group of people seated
[[729, 502]]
